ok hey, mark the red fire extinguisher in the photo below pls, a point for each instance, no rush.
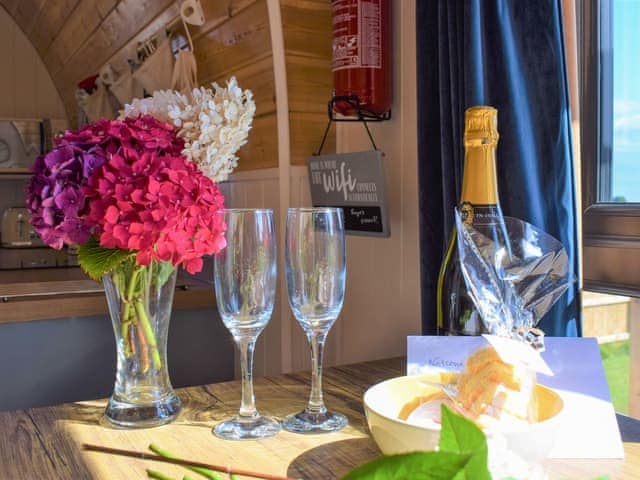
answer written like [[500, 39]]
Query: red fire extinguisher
[[361, 63]]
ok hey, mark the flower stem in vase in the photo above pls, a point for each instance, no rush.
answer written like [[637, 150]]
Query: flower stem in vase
[[140, 298], [144, 350], [147, 332], [135, 320], [125, 327]]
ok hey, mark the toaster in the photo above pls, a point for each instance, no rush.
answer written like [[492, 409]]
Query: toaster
[[17, 231]]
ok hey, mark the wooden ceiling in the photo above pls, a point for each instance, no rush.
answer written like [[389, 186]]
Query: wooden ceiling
[[76, 38]]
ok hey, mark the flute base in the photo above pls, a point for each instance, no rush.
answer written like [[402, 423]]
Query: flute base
[[307, 422], [243, 428]]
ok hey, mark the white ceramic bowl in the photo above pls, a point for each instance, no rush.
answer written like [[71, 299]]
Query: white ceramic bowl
[[384, 401]]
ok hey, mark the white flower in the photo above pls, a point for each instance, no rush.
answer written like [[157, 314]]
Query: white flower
[[505, 463], [214, 124]]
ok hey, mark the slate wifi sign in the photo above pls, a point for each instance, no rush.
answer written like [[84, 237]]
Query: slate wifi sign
[[354, 182]]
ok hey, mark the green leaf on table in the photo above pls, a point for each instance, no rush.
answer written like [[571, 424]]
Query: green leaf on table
[[96, 261], [460, 435], [412, 466]]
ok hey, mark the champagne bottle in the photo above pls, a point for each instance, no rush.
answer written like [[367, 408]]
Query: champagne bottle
[[480, 208]]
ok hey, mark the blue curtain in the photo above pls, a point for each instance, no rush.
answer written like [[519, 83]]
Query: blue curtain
[[508, 54]]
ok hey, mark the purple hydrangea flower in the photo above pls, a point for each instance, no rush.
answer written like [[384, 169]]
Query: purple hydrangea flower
[[55, 194]]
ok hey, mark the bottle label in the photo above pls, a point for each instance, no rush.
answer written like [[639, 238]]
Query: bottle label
[[357, 34], [480, 215], [466, 213]]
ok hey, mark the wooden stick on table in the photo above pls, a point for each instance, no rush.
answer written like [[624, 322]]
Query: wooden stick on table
[[184, 463]]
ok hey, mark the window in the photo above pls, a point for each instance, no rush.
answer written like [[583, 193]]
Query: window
[[610, 145], [624, 178], [610, 155]]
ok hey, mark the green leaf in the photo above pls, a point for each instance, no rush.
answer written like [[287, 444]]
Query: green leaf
[[462, 436], [162, 271], [412, 466], [96, 261]]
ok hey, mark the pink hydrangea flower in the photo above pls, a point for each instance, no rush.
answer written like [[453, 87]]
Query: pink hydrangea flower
[[160, 206], [141, 133]]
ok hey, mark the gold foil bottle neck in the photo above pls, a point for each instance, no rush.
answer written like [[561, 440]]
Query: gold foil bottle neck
[[481, 126]]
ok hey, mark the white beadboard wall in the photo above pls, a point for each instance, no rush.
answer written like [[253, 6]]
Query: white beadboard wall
[[382, 301], [260, 189], [27, 90]]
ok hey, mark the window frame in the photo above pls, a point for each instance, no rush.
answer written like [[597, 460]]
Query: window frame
[[611, 231]]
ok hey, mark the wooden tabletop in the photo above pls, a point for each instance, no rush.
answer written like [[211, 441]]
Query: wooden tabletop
[[44, 443]]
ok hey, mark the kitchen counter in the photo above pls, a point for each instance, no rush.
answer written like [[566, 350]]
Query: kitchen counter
[[18, 291], [34, 257], [47, 293]]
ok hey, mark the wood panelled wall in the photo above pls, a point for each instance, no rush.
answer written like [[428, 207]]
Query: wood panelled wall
[[76, 38], [307, 44]]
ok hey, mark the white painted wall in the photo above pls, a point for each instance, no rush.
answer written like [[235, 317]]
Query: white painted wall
[[382, 300], [382, 304], [26, 89]]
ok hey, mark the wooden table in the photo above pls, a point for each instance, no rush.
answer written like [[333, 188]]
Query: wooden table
[[44, 443]]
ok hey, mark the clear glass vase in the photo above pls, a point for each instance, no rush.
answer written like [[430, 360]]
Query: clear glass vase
[[140, 300]]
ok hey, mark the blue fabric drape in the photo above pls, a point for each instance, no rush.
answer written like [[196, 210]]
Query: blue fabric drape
[[508, 54]]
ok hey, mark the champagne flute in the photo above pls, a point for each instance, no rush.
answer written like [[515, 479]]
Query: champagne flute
[[316, 271], [245, 284]]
